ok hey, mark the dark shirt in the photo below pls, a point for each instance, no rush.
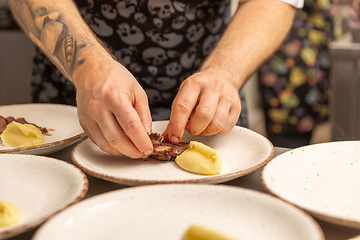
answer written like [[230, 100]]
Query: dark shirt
[[161, 42]]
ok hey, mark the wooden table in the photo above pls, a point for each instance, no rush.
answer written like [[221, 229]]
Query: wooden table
[[251, 181]]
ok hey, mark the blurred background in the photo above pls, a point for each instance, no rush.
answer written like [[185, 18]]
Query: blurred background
[[306, 92]]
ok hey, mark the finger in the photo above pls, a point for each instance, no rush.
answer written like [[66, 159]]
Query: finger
[[204, 113], [130, 122], [99, 139], [117, 138], [232, 119], [220, 119], [142, 108], [183, 105], [165, 134]]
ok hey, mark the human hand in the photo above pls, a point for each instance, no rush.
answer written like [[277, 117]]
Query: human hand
[[113, 109], [207, 103]]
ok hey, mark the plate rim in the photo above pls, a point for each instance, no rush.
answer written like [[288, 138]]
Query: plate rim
[[46, 145], [318, 214], [37, 221], [253, 192], [207, 179]]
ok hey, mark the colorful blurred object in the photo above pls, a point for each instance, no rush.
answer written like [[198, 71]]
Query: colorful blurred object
[[295, 80]]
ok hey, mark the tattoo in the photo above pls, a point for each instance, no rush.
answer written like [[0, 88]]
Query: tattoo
[[51, 34]]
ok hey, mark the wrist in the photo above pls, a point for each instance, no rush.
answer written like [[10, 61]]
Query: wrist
[[91, 63], [227, 72]]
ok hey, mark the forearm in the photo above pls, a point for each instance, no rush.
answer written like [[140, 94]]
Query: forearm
[[58, 29], [255, 32]]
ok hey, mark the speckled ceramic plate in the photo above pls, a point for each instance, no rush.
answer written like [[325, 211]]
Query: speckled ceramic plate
[[40, 186], [165, 211], [61, 120], [323, 179], [242, 150], [355, 238]]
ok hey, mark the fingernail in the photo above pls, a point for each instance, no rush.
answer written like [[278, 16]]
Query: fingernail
[[148, 130], [174, 139], [148, 152]]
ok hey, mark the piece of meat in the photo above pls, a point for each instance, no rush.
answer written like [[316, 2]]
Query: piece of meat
[[166, 151], [10, 119], [21, 120], [5, 121], [3, 124]]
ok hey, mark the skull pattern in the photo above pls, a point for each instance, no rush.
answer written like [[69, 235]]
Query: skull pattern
[[162, 9], [155, 56]]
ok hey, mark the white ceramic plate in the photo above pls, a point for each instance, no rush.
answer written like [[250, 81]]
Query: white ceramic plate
[[323, 179], [355, 238], [62, 120], [40, 186], [242, 151], [165, 211]]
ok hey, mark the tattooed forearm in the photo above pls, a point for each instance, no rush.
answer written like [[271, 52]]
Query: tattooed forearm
[[50, 33], [70, 50]]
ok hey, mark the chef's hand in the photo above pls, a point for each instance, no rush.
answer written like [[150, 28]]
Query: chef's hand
[[207, 103], [113, 109]]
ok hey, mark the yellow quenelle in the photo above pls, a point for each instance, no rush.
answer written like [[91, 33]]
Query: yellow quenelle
[[199, 232], [200, 159], [9, 214], [21, 135]]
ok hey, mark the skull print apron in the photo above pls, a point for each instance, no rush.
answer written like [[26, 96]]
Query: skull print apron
[[161, 42]]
